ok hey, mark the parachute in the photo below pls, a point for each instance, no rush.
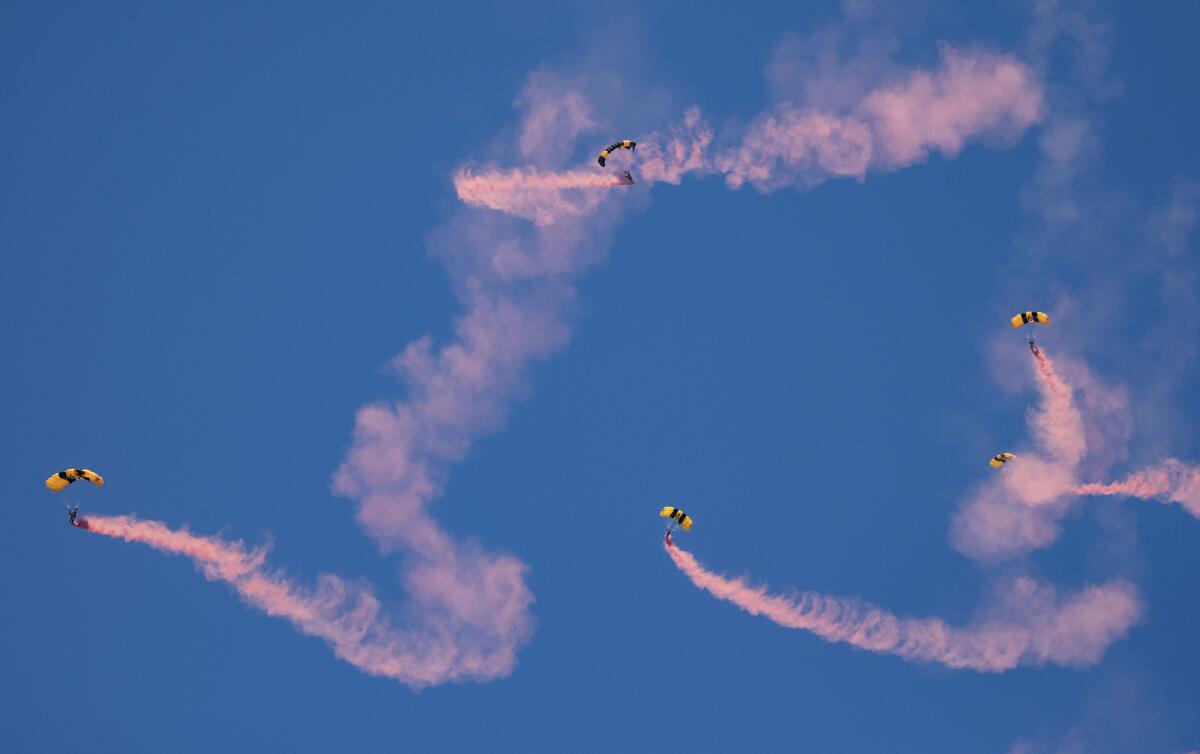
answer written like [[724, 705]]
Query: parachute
[[1029, 318], [1000, 459], [677, 517], [1025, 318], [626, 144], [65, 478]]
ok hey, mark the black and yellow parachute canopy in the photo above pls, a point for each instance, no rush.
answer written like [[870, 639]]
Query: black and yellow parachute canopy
[[63, 479], [1000, 459], [625, 144], [685, 521], [1025, 318]]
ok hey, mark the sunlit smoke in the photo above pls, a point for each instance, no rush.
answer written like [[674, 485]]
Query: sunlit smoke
[[970, 95], [468, 611], [516, 283], [347, 616], [1018, 508], [1172, 481], [1057, 425], [1029, 625], [542, 197]]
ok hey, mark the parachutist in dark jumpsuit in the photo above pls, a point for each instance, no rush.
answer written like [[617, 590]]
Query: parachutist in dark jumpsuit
[[72, 512]]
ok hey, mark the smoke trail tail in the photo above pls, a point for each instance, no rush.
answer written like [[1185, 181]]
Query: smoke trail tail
[[1172, 480], [348, 617], [1030, 625]]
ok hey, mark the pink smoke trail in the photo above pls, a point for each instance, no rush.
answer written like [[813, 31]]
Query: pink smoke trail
[[1018, 509], [515, 282], [969, 95], [470, 607], [1030, 626], [348, 617], [516, 285], [1172, 480], [540, 196], [1058, 425]]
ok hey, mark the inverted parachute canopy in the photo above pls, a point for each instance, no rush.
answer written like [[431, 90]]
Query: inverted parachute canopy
[[1025, 318], [626, 144], [685, 521], [67, 477], [1000, 459]]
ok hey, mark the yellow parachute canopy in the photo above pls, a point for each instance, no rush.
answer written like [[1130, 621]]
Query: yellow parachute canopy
[[67, 477], [626, 144], [685, 521], [1025, 318], [1000, 459]]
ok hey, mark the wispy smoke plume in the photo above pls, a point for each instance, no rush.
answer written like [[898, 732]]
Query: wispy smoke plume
[[971, 95], [1018, 509], [1073, 427], [1057, 425], [516, 283], [542, 197], [1171, 481], [1076, 432], [1027, 622], [347, 616], [1029, 625], [468, 611]]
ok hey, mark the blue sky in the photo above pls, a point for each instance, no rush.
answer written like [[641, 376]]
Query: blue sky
[[215, 224]]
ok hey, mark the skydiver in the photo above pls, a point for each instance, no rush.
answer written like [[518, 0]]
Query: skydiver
[[629, 177], [72, 512], [1033, 346]]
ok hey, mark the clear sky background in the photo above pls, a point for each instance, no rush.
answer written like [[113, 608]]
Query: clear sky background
[[213, 228]]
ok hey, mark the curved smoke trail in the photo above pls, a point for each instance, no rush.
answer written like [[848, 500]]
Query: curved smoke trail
[[347, 616], [1172, 480], [516, 282], [1078, 424], [1031, 625], [1057, 426], [1019, 508], [470, 607], [970, 95], [1027, 623]]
